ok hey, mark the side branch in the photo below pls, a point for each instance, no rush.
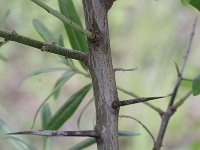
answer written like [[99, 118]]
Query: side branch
[[117, 104], [64, 19], [86, 133], [48, 47]]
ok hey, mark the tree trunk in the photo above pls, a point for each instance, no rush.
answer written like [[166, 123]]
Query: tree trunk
[[102, 74]]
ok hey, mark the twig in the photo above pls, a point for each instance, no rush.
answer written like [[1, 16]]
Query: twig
[[123, 69], [64, 19], [170, 110], [144, 126], [157, 109], [86, 133], [117, 104], [47, 47]]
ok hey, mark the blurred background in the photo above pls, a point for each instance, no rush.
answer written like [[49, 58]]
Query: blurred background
[[150, 35]]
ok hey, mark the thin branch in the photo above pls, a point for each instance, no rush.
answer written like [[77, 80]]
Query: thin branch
[[117, 104], [86, 133], [170, 110], [144, 126], [64, 19], [123, 69], [47, 47], [157, 109], [182, 100], [185, 58]]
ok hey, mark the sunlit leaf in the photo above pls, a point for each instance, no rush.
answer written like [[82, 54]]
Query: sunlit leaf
[[84, 108], [67, 110], [86, 143], [44, 70], [196, 86], [60, 82], [45, 115], [67, 73], [43, 31]]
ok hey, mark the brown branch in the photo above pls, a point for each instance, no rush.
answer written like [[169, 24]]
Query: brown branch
[[143, 125], [86, 133], [117, 104], [170, 110], [48, 47]]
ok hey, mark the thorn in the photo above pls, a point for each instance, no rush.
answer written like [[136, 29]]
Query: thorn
[[177, 69]]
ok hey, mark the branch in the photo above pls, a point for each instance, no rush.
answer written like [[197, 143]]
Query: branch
[[48, 47], [148, 131], [64, 19], [157, 109], [117, 104], [86, 133], [170, 109]]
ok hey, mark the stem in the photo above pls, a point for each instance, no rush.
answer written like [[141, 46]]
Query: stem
[[102, 74], [64, 19], [47, 47]]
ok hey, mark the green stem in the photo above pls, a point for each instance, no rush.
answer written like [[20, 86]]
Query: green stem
[[64, 19]]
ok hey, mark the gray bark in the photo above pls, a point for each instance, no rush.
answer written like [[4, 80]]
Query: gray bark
[[102, 74]]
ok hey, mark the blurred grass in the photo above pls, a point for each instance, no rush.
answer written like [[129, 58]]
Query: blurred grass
[[150, 35]]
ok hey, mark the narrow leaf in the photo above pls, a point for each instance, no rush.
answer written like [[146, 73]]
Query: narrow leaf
[[67, 73], [60, 82], [67, 110], [77, 40], [86, 143], [195, 3], [127, 133], [84, 108], [196, 86], [44, 70], [45, 115], [43, 31]]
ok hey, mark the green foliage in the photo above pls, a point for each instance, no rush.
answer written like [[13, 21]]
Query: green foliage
[[84, 108], [67, 110], [77, 40], [66, 76], [45, 115], [43, 31], [196, 86], [194, 3]]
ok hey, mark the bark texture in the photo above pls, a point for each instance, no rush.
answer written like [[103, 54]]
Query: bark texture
[[102, 74]]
